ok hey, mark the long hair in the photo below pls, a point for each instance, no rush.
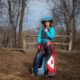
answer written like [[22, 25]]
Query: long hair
[[44, 25]]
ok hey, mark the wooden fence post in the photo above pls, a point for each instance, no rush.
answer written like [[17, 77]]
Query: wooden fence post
[[24, 44], [70, 44]]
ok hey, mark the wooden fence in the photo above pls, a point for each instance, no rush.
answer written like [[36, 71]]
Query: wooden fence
[[33, 42]]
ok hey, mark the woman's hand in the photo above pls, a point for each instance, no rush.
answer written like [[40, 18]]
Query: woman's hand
[[46, 30]]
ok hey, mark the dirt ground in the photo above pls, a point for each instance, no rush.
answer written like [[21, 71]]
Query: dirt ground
[[16, 65]]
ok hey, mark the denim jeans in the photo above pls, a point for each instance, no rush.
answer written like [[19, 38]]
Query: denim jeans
[[40, 56], [37, 60]]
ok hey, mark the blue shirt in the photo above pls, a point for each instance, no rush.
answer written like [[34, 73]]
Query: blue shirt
[[50, 34]]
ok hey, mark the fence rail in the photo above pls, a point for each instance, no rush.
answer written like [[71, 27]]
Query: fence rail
[[64, 36], [56, 43], [34, 50]]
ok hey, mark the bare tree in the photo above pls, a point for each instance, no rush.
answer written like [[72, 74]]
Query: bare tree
[[13, 11], [67, 9], [15, 15], [20, 39]]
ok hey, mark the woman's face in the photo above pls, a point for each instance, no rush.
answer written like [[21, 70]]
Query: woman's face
[[47, 23]]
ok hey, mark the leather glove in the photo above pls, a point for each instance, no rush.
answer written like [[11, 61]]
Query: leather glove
[[38, 46]]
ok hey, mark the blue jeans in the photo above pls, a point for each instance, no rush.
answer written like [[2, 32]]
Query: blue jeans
[[40, 56], [37, 60]]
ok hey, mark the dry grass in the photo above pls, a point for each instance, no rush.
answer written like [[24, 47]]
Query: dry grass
[[16, 65]]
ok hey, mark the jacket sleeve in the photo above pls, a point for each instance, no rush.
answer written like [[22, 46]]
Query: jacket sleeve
[[51, 33], [39, 36]]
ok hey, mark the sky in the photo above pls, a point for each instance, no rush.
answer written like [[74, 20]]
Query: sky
[[38, 9]]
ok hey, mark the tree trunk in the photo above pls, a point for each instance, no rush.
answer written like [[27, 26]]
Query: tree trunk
[[20, 38], [13, 29]]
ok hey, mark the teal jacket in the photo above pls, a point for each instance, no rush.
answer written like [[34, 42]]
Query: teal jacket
[[50, 34]]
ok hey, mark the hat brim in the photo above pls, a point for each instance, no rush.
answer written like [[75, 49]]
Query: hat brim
[[46, 21]]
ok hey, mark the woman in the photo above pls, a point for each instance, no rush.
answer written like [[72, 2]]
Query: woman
[[45, 36]]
